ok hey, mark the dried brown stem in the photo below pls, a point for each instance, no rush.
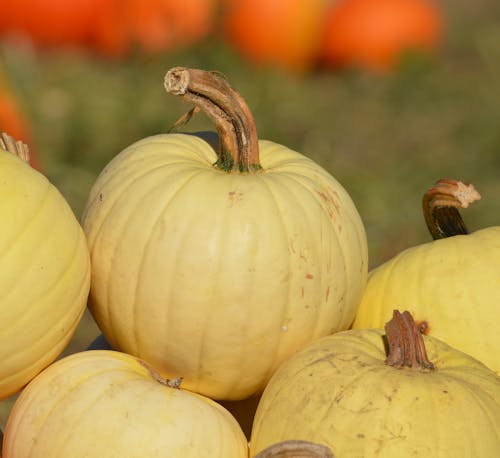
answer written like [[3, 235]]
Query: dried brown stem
[[406, 343], [171, 383], [295, 449], [16, 147], [441, 205], [226, 108]]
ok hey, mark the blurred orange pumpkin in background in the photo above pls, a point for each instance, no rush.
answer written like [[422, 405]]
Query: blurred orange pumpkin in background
[[282, 33], [373, 34], [111, 27], [151, 25], [12, 119], [48, 22]]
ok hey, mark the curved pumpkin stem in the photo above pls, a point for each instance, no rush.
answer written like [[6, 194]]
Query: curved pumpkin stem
[[16, 147], [441, 205], [228, 110], [296, 449], [406, 343]]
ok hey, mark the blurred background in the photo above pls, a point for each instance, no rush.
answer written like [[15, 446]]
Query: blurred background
[[387, 95]]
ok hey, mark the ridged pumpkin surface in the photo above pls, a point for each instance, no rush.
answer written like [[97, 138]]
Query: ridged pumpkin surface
[[451, 284], [44, 273], [98, 404], [339, 392], [218, 277]]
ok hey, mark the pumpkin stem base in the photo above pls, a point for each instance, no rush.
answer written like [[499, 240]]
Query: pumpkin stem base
[[210, 92], [16, 147], [406, 344]]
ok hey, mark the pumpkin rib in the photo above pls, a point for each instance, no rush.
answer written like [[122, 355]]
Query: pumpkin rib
[[117, 197], [360, 233], [339, 246], [69, 321], [49, 288], [26, 225], [99, 396], [285, 307], [148, 239], [68, 430], [180, 247], [318, 255], [119, 201], [53, 408], [123, 160], [209, 316], [477, 399], [46, 335], [249, 312]]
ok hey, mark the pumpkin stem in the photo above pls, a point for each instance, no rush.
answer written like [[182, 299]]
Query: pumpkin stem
[[226, 108], [406, 343], [16, 147], [295, 449], [441, 204], [171, 383]]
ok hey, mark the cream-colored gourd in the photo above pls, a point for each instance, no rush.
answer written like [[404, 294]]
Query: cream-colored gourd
[[450, 285], [217, 265], [103, 403], [341, 391], [44, 270]]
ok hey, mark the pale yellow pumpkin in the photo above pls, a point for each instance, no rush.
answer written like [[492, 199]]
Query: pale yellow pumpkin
[[450, 285], [341, 391], [214, 274], [44, 270], [102, 403]]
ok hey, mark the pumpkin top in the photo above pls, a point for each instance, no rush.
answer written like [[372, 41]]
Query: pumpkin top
[[406, 345], [441, 204], [16, 147], [211, 93]]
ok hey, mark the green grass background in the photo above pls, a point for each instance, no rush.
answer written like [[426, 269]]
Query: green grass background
[[385, 138]]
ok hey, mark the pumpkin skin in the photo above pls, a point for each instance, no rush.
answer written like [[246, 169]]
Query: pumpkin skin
[[373, 34], [44, 273], [202, 272], [281, 33], [451, 285], [339, 392], [104, 403]]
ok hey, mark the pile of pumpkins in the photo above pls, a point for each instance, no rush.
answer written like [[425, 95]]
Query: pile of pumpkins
[[229, 277], [295, 35]]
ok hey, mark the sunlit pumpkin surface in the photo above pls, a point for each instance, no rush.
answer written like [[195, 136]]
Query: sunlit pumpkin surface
[[451, 286], [102, 403], [339, 392], [44, 273], [218, 277]]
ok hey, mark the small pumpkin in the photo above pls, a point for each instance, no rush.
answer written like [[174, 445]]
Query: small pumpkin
[[423, 399], [102, 403], [279, 33], [373, 34], [450, 285], [44, 270], [206, 261]]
